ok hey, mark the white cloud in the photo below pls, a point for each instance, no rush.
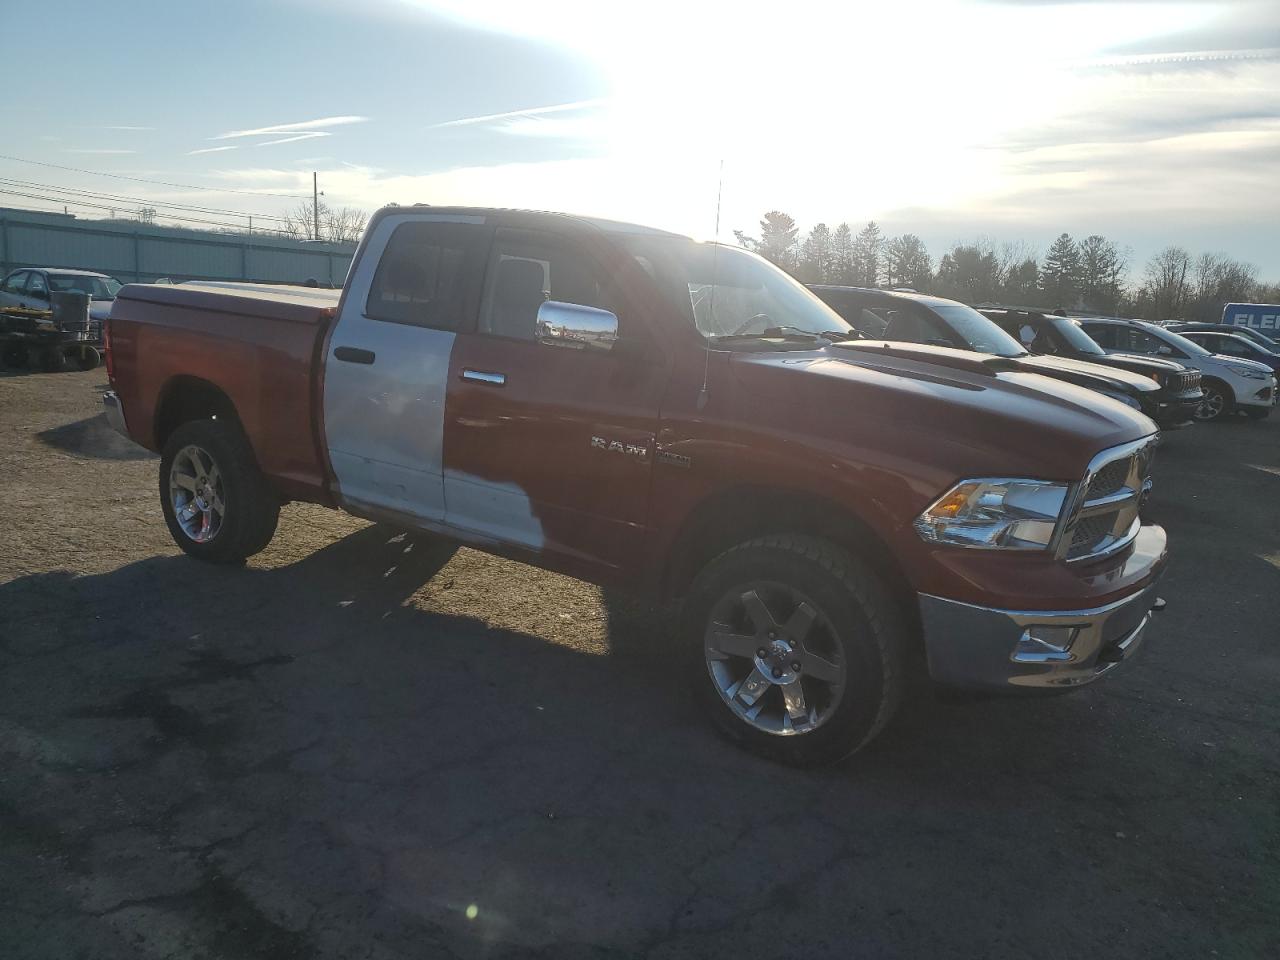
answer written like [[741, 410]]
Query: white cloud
[[296, 138], [291, 127], [512, 114], [195, 153]]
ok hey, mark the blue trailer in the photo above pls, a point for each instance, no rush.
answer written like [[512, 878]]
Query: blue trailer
[[1263, 317]]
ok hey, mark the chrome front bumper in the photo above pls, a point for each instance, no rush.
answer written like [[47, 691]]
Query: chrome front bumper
[[115, 413], [984, 648]]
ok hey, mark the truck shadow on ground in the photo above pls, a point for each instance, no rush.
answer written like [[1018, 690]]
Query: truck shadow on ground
[[93, 437]]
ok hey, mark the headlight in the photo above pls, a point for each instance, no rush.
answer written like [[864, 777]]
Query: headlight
[[1249, 373], [1009, 514]]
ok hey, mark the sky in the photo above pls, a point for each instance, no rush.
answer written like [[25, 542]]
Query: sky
[[1151, 122]]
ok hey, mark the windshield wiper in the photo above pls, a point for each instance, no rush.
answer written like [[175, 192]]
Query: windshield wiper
[[785, 333]]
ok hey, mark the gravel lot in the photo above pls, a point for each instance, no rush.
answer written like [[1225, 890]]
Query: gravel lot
[[362, 748]]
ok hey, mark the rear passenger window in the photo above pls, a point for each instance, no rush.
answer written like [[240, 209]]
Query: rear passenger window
[[16, 282], [429, 275], [1103, 336], [527, 268]]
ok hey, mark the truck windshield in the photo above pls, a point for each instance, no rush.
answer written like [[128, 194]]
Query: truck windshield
[[98, 288], [726, 291]]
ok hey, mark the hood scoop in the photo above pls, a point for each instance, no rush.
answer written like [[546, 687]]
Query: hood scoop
[[966, 360]]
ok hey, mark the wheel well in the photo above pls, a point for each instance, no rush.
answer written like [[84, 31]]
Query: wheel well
[[744, 513], [189, 398]]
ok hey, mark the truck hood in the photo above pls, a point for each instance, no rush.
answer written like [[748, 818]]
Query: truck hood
[[1140, 363], [1093, 375], [961, 410]]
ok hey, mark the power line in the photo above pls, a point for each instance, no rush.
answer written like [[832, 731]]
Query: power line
[[101, 206], [163, 183], [31, 184]]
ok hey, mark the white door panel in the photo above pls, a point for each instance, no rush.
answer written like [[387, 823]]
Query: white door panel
[[384, 415]]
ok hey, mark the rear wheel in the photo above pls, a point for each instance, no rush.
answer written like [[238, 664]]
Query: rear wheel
[[53, 360], [216, 502], [1216, 401], [14, 355], [88, 358], [799, 646]]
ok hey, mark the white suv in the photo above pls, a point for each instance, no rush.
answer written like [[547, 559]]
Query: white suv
[[1229, 383]]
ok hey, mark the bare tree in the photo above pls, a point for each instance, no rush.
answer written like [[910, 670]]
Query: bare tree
[[1165, 290], [343, 225], [1217, 281]]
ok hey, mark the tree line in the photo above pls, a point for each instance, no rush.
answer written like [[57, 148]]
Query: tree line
[[1091, 274]]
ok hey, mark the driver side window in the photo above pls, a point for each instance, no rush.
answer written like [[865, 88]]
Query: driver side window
[[527, 268], [37, 288]]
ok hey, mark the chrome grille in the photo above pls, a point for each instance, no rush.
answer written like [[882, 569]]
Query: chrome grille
[[1104, 515], [1188, 380]]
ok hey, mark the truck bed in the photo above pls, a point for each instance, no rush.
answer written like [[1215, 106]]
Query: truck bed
[[258, 345]]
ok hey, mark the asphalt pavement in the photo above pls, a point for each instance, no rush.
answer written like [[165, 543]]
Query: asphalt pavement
[[371, 746]]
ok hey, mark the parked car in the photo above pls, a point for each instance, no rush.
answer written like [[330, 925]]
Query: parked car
[[1249, 333], [1229, 383], [676, 419], [1048, 334], [1234, 345], [916, 318], [31, 287]]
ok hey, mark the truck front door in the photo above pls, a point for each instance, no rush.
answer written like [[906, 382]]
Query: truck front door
[[546, 447], [417, 283]]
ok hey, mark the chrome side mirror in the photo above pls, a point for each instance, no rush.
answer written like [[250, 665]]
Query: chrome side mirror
[[575, 326]]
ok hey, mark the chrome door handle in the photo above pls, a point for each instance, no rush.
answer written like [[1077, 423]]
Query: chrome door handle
[[483, 376]]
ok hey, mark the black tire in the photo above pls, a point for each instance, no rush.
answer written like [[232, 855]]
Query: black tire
[[250, 507], [53, 360], [1211, 410], [88, 358], [863, 628], [14, 355], [1257, 413]]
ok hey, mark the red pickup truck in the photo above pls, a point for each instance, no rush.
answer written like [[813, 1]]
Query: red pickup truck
[[675, 418]]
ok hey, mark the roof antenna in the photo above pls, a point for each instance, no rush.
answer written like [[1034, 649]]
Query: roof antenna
[[715, 252]]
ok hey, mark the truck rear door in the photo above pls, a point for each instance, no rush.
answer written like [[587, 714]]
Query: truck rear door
[[416, 284]]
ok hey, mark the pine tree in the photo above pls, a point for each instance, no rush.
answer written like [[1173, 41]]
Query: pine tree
[[1102, 267], [815, 256], [842, 254], [778, 233], [907, 262], [868, 252], [1060, 274]]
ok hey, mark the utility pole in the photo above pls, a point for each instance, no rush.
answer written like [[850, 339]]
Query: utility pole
[[315, 206], [251, 225]]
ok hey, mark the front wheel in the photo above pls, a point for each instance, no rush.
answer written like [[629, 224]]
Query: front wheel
[[216, 502], [800, 649], [1214, 403]]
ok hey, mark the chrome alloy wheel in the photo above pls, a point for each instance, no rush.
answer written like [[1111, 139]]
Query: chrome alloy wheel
[[195, 492], [1211, 405], [774, 658]]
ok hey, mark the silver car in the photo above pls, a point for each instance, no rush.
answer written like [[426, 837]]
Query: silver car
[[31, 286]]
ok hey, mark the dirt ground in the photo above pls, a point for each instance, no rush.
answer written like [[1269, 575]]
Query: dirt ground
[[359, 747]]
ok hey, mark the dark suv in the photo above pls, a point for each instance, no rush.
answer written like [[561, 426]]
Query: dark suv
[[916, 318], [1046, 334]]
